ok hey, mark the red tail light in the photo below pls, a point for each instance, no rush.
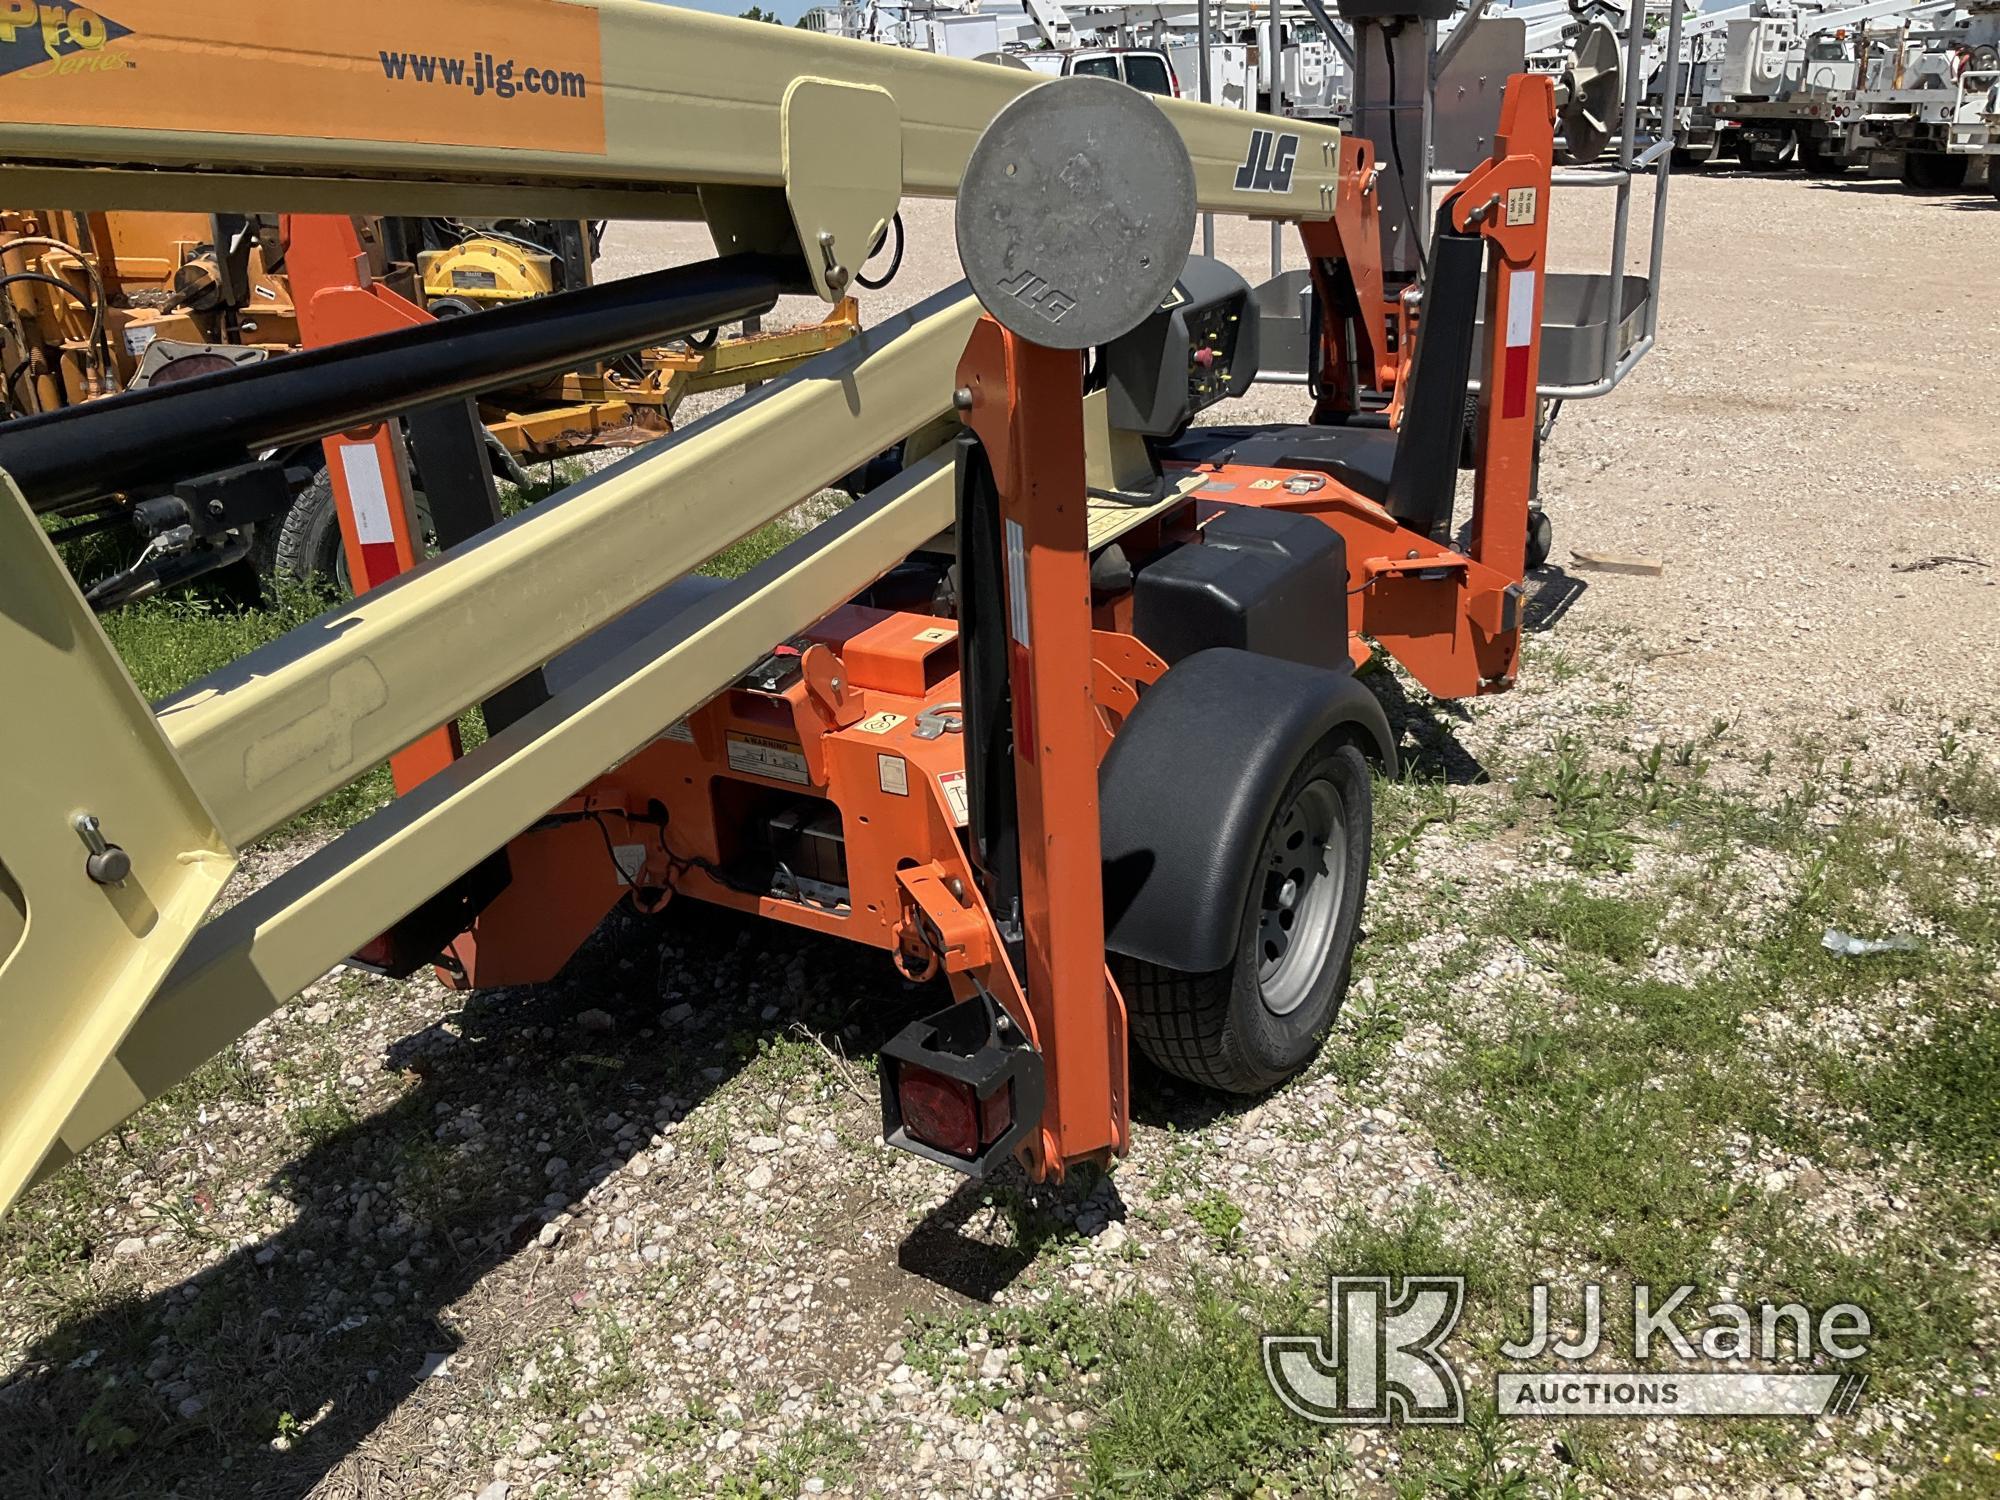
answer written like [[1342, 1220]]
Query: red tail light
[[944, 1113]]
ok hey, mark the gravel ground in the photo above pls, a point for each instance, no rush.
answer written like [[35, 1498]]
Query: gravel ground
[[633, 1234]]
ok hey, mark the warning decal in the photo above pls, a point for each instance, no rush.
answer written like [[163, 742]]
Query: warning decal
[[892, 774], [780, 760], [952, 784]]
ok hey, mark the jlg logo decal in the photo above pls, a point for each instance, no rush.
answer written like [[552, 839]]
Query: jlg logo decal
[[1267, 166], [49, 39], [1049, 302]]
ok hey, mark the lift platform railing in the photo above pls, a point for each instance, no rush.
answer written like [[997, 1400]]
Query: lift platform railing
[[1617, 312], [1597, 326]]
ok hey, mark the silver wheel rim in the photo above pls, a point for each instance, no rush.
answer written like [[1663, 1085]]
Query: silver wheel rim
[[1303, 878]]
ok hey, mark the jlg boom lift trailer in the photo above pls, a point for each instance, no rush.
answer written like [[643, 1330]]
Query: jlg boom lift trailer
[[1064, 712]]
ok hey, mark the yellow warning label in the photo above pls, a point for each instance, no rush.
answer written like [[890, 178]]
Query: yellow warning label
[[936, 635], [880, 723]]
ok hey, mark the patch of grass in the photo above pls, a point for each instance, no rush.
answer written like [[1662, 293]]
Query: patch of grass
[[1184, 1407], [1490, 1458], [1967, 1429], [1218, 1218], [1608, 1123], [168, 643], [546, 479], [739, 558], [821, 1449], [1621, 930], [1942, 1090], [319, 1122], [1361, 1044], [1058, 1340]]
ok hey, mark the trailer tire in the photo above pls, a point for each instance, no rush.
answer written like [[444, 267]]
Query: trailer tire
[[1819, 162], [1693, 155], [1249, 1027], [306, 546], [1541, 538], [1935, 171]]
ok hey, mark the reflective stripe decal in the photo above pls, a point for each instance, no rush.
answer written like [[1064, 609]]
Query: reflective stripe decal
[[1516, 387], [1017, 583], [1016, 543], [368, 501]]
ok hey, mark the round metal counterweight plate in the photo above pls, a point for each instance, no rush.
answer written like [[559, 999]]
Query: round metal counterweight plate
[[1076, 212]]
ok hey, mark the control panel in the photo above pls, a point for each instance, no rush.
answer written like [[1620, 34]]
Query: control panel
[[1198, 348]]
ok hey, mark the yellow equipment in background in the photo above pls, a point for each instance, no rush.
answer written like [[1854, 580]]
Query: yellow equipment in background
[[93, 304], [99, 303], [484, 272]]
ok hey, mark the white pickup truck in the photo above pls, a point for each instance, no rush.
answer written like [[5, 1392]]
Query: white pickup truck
[[1147, 69]]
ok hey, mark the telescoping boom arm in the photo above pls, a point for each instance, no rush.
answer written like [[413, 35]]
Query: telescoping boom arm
[[610, 109]]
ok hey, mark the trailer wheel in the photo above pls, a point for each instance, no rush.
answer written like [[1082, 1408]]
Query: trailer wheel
[[1820, 162], [1693, 155], [1541, 538], [1249, 1027], [1934, 170], [306, 547]]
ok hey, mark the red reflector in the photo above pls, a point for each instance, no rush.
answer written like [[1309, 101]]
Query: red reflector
[[938, 1111], [996, 1113], [376, 952]]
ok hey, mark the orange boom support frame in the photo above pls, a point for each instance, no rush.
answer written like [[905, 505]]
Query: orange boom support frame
[[1056, 741]]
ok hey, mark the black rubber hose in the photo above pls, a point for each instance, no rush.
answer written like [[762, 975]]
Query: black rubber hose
[[192, 427], [895, 261]]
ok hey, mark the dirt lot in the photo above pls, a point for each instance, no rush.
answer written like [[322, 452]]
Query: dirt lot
[[633, 1234]]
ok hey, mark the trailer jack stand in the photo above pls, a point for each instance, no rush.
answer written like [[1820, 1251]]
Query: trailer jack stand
[[962, 1087]]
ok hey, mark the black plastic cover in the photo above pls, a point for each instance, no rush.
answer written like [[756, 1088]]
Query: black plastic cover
[[1259, 580], [1189, 786]]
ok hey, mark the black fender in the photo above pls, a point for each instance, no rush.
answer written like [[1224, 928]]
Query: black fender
[[1190, 784]]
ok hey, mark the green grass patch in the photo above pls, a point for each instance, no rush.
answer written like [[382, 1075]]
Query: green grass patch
[[168, 643], [762, 544], [1183, 1407], [1186, 1406], [1940, 1089], [1566, 914]]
